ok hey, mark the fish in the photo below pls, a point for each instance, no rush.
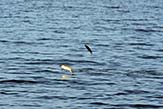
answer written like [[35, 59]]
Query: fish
[[88, 48], [65, 77], [66, 67]]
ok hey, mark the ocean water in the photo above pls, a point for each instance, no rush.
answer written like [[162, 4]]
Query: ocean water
[[125, 70]]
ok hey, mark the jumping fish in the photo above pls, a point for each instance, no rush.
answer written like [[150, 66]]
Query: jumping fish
[[66, 67], [88, 48]]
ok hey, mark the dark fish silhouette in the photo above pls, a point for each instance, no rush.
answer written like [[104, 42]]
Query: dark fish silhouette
[[88, 48]]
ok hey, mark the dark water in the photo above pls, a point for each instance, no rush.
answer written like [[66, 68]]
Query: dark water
[[124, 72]]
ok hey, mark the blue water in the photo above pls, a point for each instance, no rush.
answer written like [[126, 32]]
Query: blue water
[[125, 70]]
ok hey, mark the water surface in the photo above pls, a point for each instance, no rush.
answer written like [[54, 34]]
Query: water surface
[[124, 72]]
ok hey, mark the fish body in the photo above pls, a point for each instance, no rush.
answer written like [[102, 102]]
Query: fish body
[[66, 67], [88, 48]]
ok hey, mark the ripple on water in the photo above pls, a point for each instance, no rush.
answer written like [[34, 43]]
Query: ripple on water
[[139, 105], [147, 30], [145, 74], [13, 81], [140, 44], [150, 57]]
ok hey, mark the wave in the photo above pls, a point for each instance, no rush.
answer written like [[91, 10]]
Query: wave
[[147, 30], [138, 105], [140, 43], [18, 81], [150, 57]]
